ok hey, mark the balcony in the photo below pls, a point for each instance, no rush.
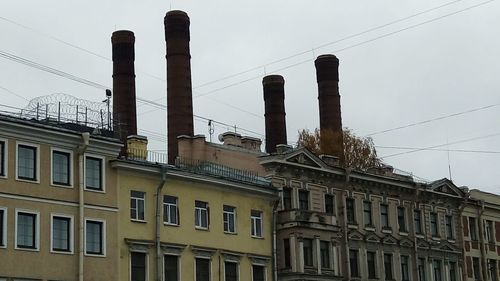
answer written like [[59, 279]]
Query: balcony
[[306, 216]]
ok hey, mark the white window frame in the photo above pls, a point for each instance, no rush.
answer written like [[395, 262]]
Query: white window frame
[[146, 263], [4, 226], [103, 237], [261, 265], [103, 173], [71, 233], [5, 158], [37, 162], [179, 272], [37, 230], [55, 149], [253, 224], [237, 269], [137, 210], [209, 266], [176, 210], [229, 214], [199, 210]]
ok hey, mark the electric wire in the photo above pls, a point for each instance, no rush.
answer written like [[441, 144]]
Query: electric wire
[[437, 149]]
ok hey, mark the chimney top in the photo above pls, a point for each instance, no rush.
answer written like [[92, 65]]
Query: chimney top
[[122, 36], [273, 79], [327, 68], [177, 13]]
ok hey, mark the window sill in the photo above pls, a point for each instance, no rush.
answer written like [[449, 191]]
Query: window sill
[[403, 233], [34, 181], [451, 240], [95, 255], [386, 230], [67, 186], [62, 252], [370, 228], [201, 228], [352, 225], [258, 237], [27, 249], [436, 238], [170, 224], [419, 235], [138, 221], [230, 233], [94, 190]]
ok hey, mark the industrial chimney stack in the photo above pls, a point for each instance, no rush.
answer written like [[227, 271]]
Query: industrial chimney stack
[[179, 88], [124, 107], [330, 120], [274, 99]]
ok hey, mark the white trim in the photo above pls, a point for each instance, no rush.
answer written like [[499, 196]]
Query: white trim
[[137, 211], [237, 269], [6, 158], [103, 237], [251, 270], [37, 164], [209, 266], [176, 210], [146, 264], [234, 219], [71, 233], [71, 164], [261, 224], [103, 173], [178, 266], [5, 216], [37, 230]]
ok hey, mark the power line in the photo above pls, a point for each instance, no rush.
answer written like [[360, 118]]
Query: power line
[[13, 93], [437, 149]]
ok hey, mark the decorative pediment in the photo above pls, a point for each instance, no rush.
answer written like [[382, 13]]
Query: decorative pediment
[[355, 235], [447, 247], [372, 237], [421, 243], [390, 240], [447, 187], [303, 159], [405, 242]]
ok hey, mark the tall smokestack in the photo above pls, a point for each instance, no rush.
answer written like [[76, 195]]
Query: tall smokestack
[[274, 99], [179, 91], [124, 109], [330, 119]]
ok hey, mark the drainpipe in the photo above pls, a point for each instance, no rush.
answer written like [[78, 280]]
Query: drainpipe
[[81, 202], [159, 266], [480, 225], [461, 214], [346, 267], [275, 255]]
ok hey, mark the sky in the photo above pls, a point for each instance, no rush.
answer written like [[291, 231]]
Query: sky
[[419, 77]]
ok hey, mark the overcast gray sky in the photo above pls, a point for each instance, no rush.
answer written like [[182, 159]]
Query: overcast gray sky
[[401, 62]]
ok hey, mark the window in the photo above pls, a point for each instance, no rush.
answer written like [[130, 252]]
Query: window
[[62, 232], [477, 268], [94, 237], [402, 219], [27, 230], [303, 199], [3, 227], [27, 162], [229, 217], [492, 269], [256, 223], [329, 204], [367, 213], [287, 198], [201, 214], [370, 260], [453, 271], [258, 273], [417, 217], [171, 264], [434, 225], [307, 250], [61, 168], [351, 217], [324, 248], [230, 271], [388, 266], [436, 264], [421, 269], [170, 210], [3, 158], [405, 272], [137, 266], [384, 215], [286, 252], [488, 231], [353, 263], [137, 205], [449, 227], [202, 269], [94, 173], [473, 229]]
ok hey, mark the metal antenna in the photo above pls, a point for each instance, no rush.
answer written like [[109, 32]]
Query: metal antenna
[[210, 129], [107, 101]]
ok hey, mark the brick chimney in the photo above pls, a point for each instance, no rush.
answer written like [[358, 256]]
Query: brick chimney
[[330, 119], [179, 88], [124, 108], [274, 99]]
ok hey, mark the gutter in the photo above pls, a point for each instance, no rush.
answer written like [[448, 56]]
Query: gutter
[[275, 255], [81, 202], [159, 265]]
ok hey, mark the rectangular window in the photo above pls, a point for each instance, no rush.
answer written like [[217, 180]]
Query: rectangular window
[[477, 268], [230, 271], [417, 217], [492, 270], [229, 218], [472, 229], [94, 237], [137, 205], [308, 251], [3, 226], [61, 234], [303, 199], [26, 162], [367, 213], [370, 260], [170, 210], [353, 263], [61, 168], [350, 209], [402, 219], [488, 231], [324, 248], [388, 266], [27, 230], [3, 152], [449, 227], [421, 269], [286, 252], [287, 198], [201, 214], [202, 269], [329, 204], [453, 271], [434, 225], [171, 264], [384, 215], [405, 271], [137, 266], [93, 173], [256, 223], [258, 273], [436, 264]]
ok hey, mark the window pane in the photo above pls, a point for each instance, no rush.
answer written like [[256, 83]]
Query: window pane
[[370, 260], [94, 237], [329, 205], [93, 170], [384, 215], [170, 210], [2, 231], [325, 254], [353, 263], [171, 268], [26, 162], [61, 167], [287, 198], [202, 269], [304, 199], [258, 273], [230, 271], [402, 219], [367, 211], [351, 218], [388, 266], [418, 224], [61, 234], [286, 250], [138, 266], [2, 158], [308, 252], [404, 268], [26, 227]]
